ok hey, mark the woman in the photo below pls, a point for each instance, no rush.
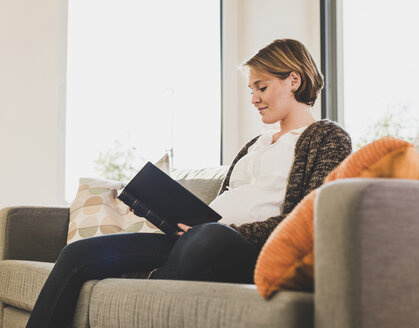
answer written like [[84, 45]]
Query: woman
[[269, 176]]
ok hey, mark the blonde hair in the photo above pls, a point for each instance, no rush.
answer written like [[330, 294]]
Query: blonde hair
[[284, 56]]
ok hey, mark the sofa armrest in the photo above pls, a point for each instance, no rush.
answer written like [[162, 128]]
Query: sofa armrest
[[366, 253], [33, 233]]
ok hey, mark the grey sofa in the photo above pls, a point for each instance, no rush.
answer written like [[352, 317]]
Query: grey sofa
[[366, 269]]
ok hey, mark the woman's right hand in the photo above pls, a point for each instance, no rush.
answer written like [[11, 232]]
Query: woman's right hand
[[183, 227]]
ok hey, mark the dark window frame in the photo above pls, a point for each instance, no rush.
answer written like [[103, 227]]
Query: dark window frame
[[221, 84], [329, 60]]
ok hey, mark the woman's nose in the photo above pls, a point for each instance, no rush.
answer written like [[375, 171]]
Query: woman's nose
[[255, 99]]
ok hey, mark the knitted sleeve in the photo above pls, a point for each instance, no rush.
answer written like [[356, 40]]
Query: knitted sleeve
[[335, 145], [325, 151]]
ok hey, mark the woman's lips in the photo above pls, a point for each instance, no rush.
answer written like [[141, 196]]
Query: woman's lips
[[260, 109]]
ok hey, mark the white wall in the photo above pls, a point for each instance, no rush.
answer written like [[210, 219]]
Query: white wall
[[249, 25], [32, 101]]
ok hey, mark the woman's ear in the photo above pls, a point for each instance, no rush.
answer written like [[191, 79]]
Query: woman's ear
[[295, 81]]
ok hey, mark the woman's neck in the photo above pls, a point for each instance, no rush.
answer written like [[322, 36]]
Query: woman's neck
[[297, 118]]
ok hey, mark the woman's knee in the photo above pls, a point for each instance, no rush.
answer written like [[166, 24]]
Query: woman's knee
[[214, 230], [89, 247], [214, 238], [78, 251]]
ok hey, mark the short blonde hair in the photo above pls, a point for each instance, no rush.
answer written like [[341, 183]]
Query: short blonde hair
[[284, 56]]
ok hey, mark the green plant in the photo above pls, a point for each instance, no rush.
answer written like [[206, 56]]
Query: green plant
[[118, 163], [399, 124]]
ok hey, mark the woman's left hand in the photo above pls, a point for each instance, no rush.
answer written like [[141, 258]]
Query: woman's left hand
[[183, 227]]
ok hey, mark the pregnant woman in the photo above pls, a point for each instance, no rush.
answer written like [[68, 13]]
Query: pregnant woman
[[266, 180]]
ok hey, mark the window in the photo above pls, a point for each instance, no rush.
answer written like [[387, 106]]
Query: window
[[143, 78], [380, 69]]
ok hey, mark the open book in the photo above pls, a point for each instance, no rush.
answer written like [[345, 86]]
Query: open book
[[154, 195]]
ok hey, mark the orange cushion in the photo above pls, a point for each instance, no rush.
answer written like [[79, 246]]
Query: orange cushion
[[286, 260]]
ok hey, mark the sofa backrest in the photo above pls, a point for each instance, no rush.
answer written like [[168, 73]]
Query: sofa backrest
[[203, 183], [39, 233]]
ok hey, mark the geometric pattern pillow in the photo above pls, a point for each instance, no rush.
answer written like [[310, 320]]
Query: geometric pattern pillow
[[286, 260], [97, 211]]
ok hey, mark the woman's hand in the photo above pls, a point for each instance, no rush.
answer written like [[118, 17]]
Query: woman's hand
[[183, 227]]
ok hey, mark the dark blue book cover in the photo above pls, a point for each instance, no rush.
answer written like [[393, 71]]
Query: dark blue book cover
[[164, 202]]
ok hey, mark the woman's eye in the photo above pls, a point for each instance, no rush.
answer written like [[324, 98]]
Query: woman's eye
[[260, 89]]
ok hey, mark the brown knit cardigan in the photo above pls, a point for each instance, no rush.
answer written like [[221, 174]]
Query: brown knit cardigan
[[319, 149]]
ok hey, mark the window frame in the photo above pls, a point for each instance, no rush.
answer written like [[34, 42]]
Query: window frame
[[331, 36]]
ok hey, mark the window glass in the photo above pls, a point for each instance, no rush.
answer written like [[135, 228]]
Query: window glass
[[381, 70], [143, 78]]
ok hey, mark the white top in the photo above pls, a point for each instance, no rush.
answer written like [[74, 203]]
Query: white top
[[259, 180]]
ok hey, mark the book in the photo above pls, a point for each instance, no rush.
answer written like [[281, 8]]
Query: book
[[164, 202]]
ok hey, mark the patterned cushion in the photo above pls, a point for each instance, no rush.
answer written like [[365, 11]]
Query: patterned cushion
[[286, 260], [97, 211]]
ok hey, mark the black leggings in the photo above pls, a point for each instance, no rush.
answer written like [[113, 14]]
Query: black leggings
[[208, 252]]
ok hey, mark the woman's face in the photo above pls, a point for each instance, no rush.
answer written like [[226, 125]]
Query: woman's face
[[271, 96]]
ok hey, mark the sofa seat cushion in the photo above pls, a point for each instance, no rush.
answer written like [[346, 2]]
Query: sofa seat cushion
[[21, 282], [13, 317], [168, 303]]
